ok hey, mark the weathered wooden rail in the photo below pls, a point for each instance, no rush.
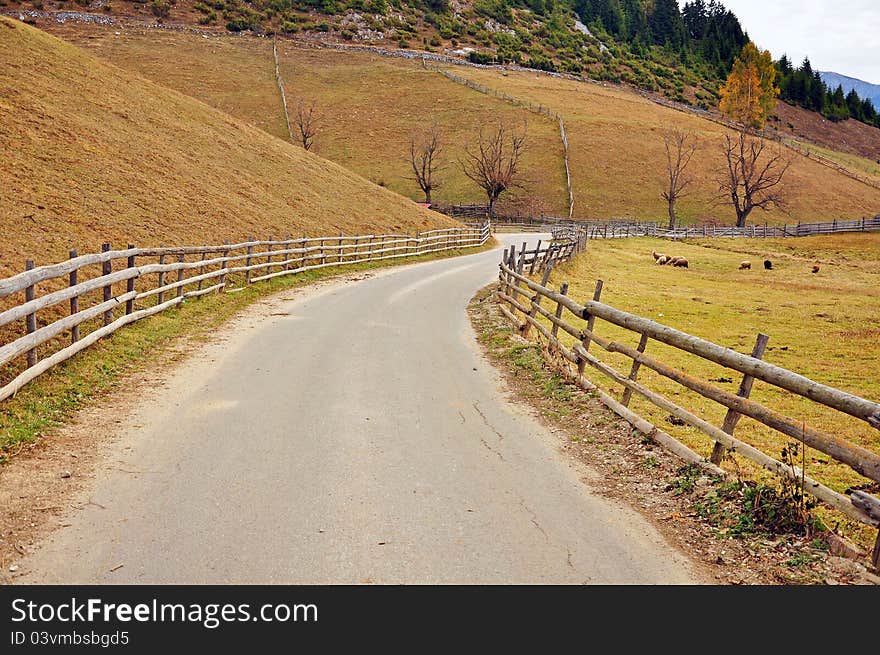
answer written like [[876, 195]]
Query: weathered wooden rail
[[621, 228], [69, 304], [521, 299]]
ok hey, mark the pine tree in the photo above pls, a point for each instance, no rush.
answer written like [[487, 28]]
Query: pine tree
[[667, 27]]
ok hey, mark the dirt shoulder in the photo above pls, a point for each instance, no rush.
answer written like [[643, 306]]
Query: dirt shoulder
[[706, 519]]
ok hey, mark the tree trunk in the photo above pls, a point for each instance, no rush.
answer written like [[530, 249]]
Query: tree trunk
[[491, 207], [672, 214], [428, 196], [742, 216]]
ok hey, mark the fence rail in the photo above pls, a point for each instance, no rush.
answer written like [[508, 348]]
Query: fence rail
[[517, 292], [69, 303], [620, 228]]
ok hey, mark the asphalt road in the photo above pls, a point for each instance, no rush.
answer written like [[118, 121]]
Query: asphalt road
[[352, 435]]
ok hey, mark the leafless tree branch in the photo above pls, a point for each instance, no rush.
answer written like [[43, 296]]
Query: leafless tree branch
[[751, 179], [680, 148], [493, 162]]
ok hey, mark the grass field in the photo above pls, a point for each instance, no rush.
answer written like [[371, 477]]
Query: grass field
[[618, 160], [371, 105], [823, 325], [93, 153], [855, 163]]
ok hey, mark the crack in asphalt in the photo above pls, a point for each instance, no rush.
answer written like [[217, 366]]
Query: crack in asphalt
[[486, 421]]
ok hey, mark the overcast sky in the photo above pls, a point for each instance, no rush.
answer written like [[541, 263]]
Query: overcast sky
[[843, 37]]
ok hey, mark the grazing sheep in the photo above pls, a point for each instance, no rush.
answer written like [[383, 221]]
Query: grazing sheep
[[745, 266], [673, 260], [657, 255], [816, 268], [662, 259], [768, 265], [680, 261]]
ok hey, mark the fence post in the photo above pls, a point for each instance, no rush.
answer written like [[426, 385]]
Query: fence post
[[180, 259], [339, 250], [106, 269], [223, 267], [634, 371], [287, 254], [302, 256], [323, 253], [247, 262], [268, 256], [591, 320], [31, 319], [563, 290], [74, 302], [536, 301], [745, 388], [129, 284], [535, 259], [202, 267], [161, 281]]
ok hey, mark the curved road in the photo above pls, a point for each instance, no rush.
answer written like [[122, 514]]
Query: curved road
[[355, 435]]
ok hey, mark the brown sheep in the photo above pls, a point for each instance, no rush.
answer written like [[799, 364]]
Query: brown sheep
[[673, 260], [680, 261], [745, 266], [768, 265], [816, 268], [657, 255], [662, 260]]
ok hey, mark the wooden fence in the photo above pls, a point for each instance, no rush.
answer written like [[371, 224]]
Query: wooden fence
[[620, 228], [40, 330], [521, 302]]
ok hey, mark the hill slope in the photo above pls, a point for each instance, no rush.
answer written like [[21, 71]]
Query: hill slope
[[370, 103], [93, 153]]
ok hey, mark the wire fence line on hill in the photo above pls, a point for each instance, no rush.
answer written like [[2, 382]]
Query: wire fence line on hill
[[56, 312], [280, 82], [525, 104], [520, 299]]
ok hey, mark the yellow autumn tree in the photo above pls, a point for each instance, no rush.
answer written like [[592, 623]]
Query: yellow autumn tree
[[750, 92]]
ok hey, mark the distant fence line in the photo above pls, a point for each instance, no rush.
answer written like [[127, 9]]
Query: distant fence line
[[520, 299], [622, 228], [280, 82], [74, 303]]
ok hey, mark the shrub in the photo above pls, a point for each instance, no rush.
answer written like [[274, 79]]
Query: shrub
[[477, 57], [159, 8]]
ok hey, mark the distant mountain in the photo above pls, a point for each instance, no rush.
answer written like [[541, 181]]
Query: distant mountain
[[864, 89]]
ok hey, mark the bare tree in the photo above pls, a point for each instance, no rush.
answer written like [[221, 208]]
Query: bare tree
[[680, 147], [424, 157], [306, 119], [493, 163], [752, 177]]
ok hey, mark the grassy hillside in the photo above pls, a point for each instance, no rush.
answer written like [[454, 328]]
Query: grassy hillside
[[618, 161], [371, 103], [93, 153]]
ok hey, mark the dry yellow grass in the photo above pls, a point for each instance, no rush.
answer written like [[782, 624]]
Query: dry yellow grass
[[618, 161], [374, 104], [370, 105], [94, 153], [824, 325]]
